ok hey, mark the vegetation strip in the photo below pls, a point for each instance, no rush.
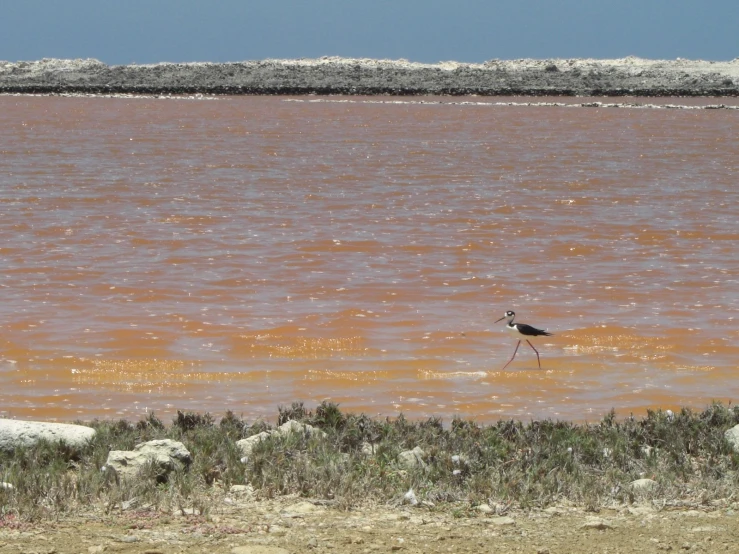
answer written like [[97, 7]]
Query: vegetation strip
[[671, 460]]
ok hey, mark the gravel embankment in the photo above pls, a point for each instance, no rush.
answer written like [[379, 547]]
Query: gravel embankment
[[557, 77]]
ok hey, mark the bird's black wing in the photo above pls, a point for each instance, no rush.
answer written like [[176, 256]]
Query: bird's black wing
[[530, 331]]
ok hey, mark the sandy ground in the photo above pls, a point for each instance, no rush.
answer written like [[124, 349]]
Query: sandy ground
[[292, 525], [630, 76]]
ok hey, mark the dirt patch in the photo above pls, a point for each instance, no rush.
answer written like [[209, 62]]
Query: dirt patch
[[292, 525]]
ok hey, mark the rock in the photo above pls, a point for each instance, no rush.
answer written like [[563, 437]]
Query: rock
[[410, 498], [410, 459], [247, 445], [485, 509], [460, 460], [300, 509], [166, 454], [6, 486], [644, 485], [596, 523], [293, 426], [289, 427], [732, 435], [241, 490], [14, 433], [368, 449], [503, 520], [258, 549], [555, 511], [640, 510]]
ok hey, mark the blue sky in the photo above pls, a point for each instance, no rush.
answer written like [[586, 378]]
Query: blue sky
[[149, 31]]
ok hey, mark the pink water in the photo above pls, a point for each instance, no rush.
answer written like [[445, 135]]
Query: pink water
[[244, 253]]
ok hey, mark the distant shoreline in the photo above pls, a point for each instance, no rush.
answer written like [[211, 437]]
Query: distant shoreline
[[629, 76]]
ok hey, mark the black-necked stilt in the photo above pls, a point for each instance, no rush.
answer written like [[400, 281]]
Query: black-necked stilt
[[524, 332]]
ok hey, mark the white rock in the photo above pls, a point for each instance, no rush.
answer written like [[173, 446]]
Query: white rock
[[485, 509], [293, 426], [596, 523], [410, 498], [6, 486], [168, 455], [640, 510], [644, 485], [732, 435], [258, 549], [300, 509], [14, 433], [503, 520], [247, 445], [412, 458], [289, 427], [238, 490]]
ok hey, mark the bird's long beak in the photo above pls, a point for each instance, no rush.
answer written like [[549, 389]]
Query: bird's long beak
[[501, 319]]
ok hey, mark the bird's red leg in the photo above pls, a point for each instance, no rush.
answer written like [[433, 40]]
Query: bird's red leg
[[514, 355], [535, 350]]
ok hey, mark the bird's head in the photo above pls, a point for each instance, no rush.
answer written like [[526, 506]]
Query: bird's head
[[509, 315]]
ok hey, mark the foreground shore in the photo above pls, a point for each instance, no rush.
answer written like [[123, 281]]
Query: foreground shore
[[293, 525], [328, 481], [629, 76]]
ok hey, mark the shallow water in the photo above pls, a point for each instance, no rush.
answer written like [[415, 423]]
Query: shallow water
[[243, 253]]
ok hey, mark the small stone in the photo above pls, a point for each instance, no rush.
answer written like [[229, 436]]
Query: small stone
[[640, 510], [258, 549], [300, 509], [241, 490], [596, 523], [554, 511], [247, 445], [503, 520], [485, 509], [644, 485], [410, 459]]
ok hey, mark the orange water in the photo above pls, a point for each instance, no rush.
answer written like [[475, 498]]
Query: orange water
[[244, 253]]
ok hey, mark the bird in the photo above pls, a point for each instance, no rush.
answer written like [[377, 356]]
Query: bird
[[523, 331]]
